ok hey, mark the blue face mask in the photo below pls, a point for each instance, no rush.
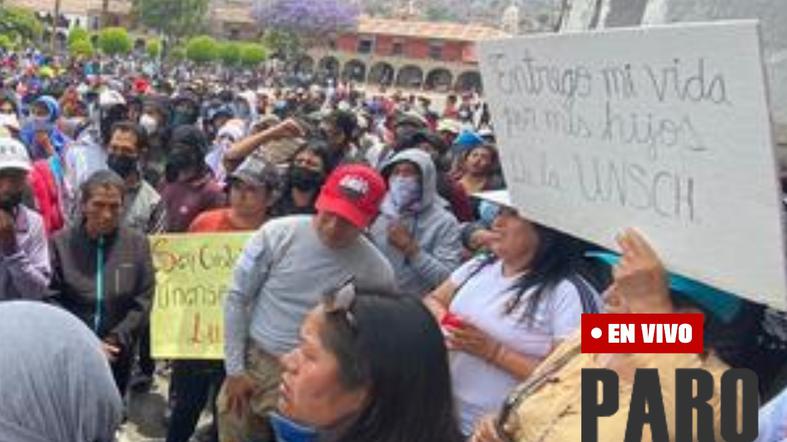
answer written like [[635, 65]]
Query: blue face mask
[[39, 124], [288, 431], [405, 192]]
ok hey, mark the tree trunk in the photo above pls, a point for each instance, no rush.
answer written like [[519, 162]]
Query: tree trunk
[[55, 20], [104, 13]]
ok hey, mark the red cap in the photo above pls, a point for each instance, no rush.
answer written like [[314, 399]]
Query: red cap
[[141, 85], [353, 192]]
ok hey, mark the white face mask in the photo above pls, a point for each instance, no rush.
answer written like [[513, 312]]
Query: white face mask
[[149, 123], [9, 120]]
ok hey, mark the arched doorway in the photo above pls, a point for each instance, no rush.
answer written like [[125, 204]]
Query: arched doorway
[[354, 70], [410, 76], [469, 81], [61, 40], [439, 79], [381, 73], [304, 65], [329, 66], [139, 45]]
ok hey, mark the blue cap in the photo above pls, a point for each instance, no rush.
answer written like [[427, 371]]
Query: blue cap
[[468, 140], [723, 305]]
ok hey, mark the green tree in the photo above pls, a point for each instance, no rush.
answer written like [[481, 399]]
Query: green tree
[[178, 53], [6, 42], [283, 43], [229, 52], [76, 34], [202, 49], [81, 47], [252, 54], [153, 48], [178, 18], [20, 24], [438, 13], [114, 41]]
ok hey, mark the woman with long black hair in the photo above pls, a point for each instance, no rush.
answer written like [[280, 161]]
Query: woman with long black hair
[[348, 380], [503, 313]]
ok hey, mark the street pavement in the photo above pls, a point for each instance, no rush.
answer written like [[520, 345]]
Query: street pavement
[[146, 411]]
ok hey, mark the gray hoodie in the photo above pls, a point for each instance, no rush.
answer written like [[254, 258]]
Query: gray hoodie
[[436, 230], [56, 383]]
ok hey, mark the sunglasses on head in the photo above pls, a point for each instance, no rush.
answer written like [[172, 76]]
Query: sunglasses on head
[[340, 302]]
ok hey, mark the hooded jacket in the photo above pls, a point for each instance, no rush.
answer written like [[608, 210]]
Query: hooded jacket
[[29, 129], [434, 228], [56, 383]]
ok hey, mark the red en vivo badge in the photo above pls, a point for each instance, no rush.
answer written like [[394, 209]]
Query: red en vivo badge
[[642, 333]]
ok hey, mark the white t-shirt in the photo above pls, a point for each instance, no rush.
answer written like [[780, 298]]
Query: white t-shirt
[[480, 387]]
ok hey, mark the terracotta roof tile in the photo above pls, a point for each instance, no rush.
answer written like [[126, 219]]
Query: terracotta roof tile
[[434, 30]]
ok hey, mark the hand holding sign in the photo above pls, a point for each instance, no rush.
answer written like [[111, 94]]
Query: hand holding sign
[[604, 130], [640, 281]]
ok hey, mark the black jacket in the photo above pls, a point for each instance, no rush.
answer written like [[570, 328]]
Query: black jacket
[[127, 279]]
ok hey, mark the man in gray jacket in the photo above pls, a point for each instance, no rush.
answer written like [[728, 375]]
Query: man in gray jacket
[[24, 255], [415, 232]]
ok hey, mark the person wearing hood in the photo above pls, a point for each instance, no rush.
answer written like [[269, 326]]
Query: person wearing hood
[[46, 144], [54, 389], [103, 272], [24, 256], [190, 187], [245, 106], [447, 187], [231, 132], [40, 133], [414, 230]]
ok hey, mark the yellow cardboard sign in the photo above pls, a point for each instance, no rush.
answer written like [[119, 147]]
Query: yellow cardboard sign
[[193, 274]]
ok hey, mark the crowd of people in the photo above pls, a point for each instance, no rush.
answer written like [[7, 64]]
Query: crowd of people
[[390, 290]]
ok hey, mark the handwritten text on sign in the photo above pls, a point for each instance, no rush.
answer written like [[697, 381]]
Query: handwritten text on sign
[[193, 273], [664, 129]]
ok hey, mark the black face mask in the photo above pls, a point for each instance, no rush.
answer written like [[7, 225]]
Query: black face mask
[[10, 202], [181, 118], [122, 165], [305, 179]]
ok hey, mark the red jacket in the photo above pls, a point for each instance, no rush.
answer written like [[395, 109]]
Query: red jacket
[[45, 192]]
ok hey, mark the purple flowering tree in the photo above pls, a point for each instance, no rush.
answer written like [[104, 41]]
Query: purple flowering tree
[[307, 18]]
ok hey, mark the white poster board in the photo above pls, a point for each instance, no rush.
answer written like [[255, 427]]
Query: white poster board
[[665, 129]]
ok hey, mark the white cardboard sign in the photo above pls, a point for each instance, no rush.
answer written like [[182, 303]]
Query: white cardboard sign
[[665, 129]]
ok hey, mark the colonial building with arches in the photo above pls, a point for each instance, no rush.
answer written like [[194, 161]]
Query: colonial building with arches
[[408, 54]]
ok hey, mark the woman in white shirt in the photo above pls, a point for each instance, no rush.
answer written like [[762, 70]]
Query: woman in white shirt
[[504, 313]]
